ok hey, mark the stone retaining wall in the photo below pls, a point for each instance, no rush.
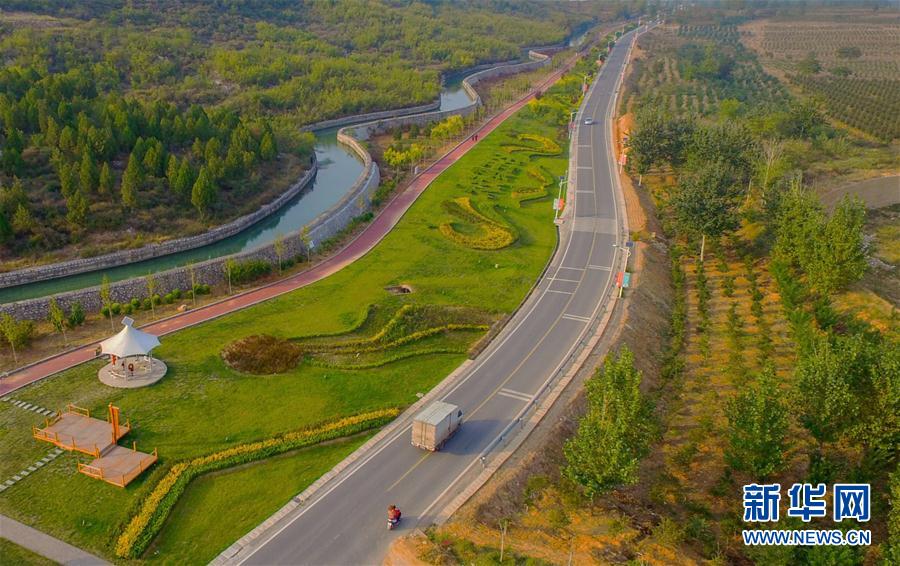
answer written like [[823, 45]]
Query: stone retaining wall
[[212, 272], [375, 127], [150, 251], [356, 202], [357, 118]]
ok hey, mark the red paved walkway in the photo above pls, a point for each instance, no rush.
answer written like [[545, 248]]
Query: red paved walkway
[[358, 247]]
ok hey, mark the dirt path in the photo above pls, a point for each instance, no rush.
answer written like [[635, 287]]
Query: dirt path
[[876, 193], [354, 250]]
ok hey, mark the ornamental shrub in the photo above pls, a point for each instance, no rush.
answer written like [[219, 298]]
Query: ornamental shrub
[[76, 316], [246, 271]]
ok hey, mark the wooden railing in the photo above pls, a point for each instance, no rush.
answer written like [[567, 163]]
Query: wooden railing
[[70, 408], [92, 471]]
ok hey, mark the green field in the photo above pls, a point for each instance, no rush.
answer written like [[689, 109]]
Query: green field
[[13, 554], [258, 490], [203, 405]]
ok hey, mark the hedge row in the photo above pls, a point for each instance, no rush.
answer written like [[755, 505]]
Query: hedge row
[[373, 346], [495, 235], [140, 530], [147, 303], [545, 146], [388, 360]]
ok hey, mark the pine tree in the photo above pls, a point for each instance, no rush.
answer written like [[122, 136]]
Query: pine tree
[[203, 194], [131, 181], [197, 149], [22, 221], [77, 207], [11, 161], [234, 163], [87, 174], [268, 150], [172, 172], [185, 178], [51, 133], [67, 139], [68, 178], [105, 184]]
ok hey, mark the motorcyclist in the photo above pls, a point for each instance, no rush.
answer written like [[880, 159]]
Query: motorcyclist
[[393, 514]]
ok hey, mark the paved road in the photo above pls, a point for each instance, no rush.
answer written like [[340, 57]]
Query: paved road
[[344, 521], [367, 239]]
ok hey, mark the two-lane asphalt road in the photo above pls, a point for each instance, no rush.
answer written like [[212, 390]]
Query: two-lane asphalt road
[[344, 521]]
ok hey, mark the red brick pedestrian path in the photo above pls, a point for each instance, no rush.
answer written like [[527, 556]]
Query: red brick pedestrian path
[[358, 247]]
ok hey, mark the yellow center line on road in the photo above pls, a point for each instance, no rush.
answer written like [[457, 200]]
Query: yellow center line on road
[[409, 471]]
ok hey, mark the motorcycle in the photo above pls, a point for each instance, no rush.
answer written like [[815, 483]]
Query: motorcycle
[[394, 515]]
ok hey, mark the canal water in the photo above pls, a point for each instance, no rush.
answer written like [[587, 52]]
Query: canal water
[[338, 170]]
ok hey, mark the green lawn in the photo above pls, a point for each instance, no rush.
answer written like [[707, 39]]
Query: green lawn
[[204, 523], [204, 406], [11, 554]]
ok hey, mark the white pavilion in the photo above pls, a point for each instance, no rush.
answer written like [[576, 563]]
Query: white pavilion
[[130, 363]]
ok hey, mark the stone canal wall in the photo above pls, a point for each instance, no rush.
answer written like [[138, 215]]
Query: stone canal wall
[[150, 251], [375, 127]]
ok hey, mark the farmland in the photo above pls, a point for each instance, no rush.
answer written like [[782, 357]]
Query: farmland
[[850, 65], [693, 69]]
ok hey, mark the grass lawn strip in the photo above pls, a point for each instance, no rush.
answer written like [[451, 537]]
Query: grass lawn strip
[[155, 508], [11, 553], [206, 510]]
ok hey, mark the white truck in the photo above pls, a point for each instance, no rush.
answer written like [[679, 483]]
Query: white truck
[[435, 424]]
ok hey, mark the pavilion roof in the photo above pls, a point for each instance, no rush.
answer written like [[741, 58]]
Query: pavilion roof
[[129, 341]]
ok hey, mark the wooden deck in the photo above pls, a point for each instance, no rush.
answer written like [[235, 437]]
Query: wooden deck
[[76, 430], [118, 465]]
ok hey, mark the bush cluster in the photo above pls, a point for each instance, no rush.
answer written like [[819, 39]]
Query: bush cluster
[[135, 304], [246, 271]]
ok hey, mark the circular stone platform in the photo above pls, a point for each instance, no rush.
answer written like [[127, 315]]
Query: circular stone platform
[[142, 377]]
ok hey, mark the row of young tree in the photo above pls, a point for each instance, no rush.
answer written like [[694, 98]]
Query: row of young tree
[[845, 388]]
